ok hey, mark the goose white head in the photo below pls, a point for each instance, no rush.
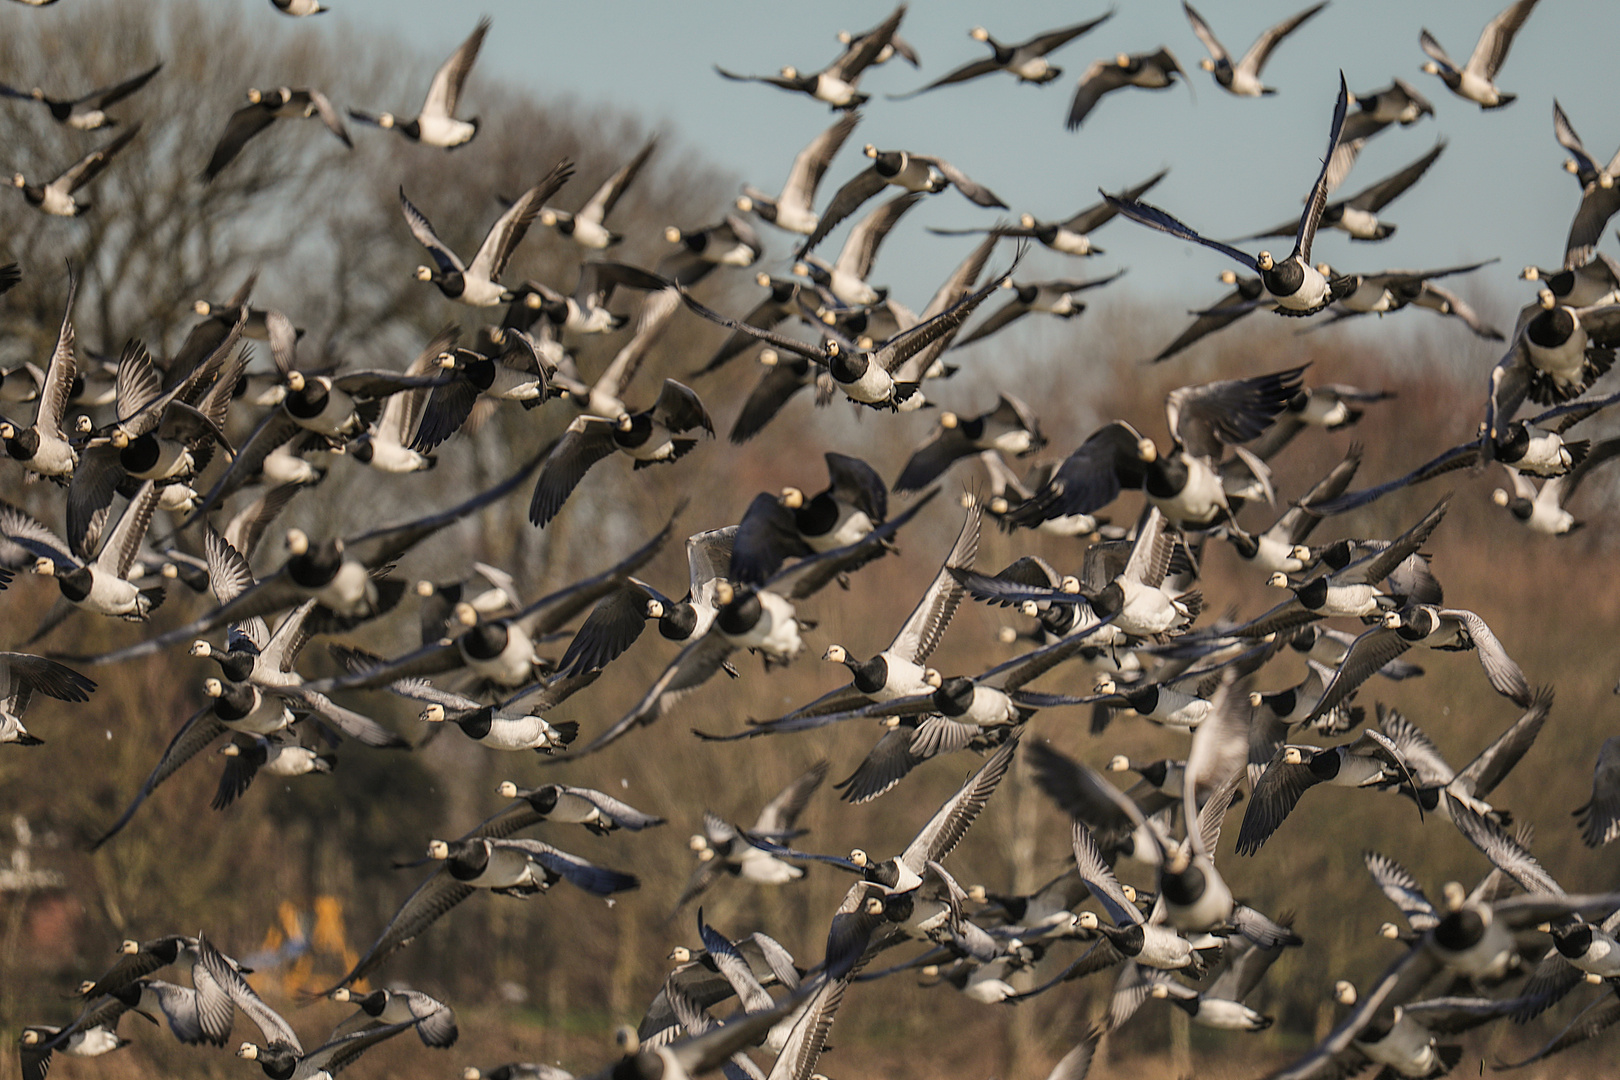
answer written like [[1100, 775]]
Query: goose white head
[[1392, 620], [297, 542], [44, 567], [548, 217], [744, 203], [423, 273], [655, 609], [1278, 580], [1087, 920], [680, 954], [979, 33], [627, 1039], [248, 1051], [837, 654], [948, 420], [724, 593], [1119, 763], [769, 358], [1546, 299], [213, 688], [869, 150], [1255, 698], [230, 749], [1159, 991], [1344, 992], [438, 849], [790, 72], [1530, 273], [672, 234], [433, 714], [1500, 497], [1265, 261], [472, 1072], [1293, 756], [1007, 635], [1389, 930], [933, 678], [1455, 895], [1104, 685], [465, 614], [1147, 451], [860, 858], [1026, 221], [792, 498], [1229, 277], [698, 842], [1208, 65], [507, 790], [342, 993]]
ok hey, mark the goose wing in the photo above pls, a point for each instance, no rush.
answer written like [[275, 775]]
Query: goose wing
[[926, 624], [1255, 59], [1492, 48], [89, 167], [421, 228], [201, 729], [510, 228], [1316, 201], [445, 90], [431, 899]]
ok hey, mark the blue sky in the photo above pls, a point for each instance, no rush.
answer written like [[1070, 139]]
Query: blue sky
[[1236, 164]]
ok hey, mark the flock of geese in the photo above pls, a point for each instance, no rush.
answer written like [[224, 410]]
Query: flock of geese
[[178, 439]]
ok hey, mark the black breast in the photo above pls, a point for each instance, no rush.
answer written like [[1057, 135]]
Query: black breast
[[1459, 930], [741, 615], [1284, 278], [1550, 329], [1186, 887]]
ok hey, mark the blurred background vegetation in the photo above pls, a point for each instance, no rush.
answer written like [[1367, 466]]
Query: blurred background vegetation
[[547, 979]]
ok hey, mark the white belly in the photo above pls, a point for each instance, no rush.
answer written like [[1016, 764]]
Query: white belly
[[444, 131]]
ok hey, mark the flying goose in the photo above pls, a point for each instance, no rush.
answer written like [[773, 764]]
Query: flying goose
[[92, 1033], [520, 868], [836, 83], [1010, 428], [775, 528], [845, 278], [434, 1020], [721, 849], [436, 124], [264, 108], [794, 209], [902, 169], [1557, 352], [1542, 509], [655, 435], [730, 242], [56, 198], [1150, 71], [1025, 61], [1399, 102], [98, 585], [1296, 286], [1071, 236], [86, 113], [1058, 298], [1183, 482], [1243, 77], [762, 619], [1371, 760], [499, 652], [282, 1062], [1358, 214], [899, 670], [22, 676], [43, 446], [477, 284], [1476, 80], [586, 226], [883, 374], [618, 619], [1246, 297], [1600, 199]]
